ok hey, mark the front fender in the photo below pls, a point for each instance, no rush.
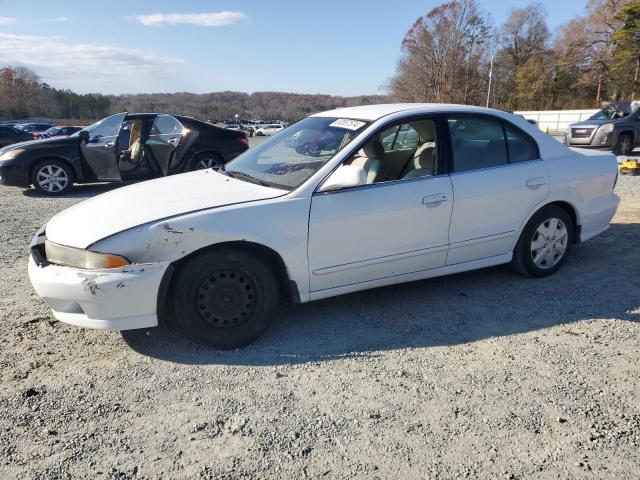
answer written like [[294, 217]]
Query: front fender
[[279, 224]]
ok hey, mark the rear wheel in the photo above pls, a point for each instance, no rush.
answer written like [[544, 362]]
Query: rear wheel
[[208, 160], [52, 177], [545, 243], [624, 145], [224, 299]]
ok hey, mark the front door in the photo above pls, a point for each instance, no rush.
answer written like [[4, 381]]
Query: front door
[[498, 179], [396, 224], [100, 150], [164, 139]]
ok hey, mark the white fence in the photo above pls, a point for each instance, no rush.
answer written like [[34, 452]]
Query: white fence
[[555, 121]]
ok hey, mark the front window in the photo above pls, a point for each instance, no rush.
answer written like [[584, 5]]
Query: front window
[[87, 129], [292, 156], [108, 128]]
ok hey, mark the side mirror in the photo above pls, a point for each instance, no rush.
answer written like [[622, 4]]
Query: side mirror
[[345, 176], [84, 135]]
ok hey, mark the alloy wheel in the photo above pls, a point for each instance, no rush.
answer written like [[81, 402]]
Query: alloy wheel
[[205, 163], [549, 243], [625, 145], [52, 178]]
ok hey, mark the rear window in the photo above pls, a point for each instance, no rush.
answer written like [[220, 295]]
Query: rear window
[[522, 148]]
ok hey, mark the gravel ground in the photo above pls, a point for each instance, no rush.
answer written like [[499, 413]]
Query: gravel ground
[[478, 375]]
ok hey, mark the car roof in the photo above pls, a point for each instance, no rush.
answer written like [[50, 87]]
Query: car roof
[[375, 112], [549, 147]]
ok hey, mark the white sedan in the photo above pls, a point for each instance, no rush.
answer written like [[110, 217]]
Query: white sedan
[[341, 201], [267, 130]]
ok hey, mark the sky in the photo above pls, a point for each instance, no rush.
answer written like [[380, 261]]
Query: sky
[[336, 47]]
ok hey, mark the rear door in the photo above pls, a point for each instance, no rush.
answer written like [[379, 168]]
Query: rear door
[[164, 139], [498, 178], [100, 150]]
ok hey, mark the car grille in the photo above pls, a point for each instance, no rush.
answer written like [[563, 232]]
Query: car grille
[[581, 132]]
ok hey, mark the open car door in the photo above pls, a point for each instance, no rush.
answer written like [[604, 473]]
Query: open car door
[[164, 139], [100, 149]]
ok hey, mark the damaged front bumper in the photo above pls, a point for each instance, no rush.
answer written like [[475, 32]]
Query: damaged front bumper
[[113, 299]]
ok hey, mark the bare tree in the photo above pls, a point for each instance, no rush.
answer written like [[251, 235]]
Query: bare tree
[[442, 56]]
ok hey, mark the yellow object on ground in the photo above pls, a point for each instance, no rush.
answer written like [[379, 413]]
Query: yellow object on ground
[[630, 167]]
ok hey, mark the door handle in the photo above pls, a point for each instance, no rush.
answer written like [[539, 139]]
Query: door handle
[[434, 199], [109, 144], [174, 141], [535, 183]]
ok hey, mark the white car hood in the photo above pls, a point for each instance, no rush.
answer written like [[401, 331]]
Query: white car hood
[[127, 207]]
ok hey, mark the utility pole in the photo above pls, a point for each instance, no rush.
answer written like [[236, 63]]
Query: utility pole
[[635, 79], [490, 78]]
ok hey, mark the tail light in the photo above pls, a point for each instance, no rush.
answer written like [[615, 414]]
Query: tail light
[[244, 140]]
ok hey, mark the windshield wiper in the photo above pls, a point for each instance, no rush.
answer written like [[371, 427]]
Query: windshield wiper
[[245, 176]]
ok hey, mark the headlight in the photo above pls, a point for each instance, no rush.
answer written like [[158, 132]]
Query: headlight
[[606, 128], [77, 257], [11, 154]]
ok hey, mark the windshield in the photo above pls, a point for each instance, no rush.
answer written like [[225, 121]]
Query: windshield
[[293, 155], [52, 131], [608, 114]]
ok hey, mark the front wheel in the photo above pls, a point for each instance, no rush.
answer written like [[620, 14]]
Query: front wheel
[[544, 244], [208, 160], [52, 177], [624, 145], [224, 299]]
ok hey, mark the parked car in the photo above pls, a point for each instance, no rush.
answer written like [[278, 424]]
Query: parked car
[[214, 252], [36, 129], [10, 135], [124, 146], [234, 126], [59, 131], [269, 129], [615, 127], [33, 127]]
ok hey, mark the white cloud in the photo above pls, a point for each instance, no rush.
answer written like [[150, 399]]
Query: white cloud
[[7, 21], [87, 67], [216, 19], [55, 20]]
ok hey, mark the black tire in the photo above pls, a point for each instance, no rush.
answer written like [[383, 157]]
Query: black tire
[[523, 255], [62, 177], [624, 145], [206, 160], [224, 299]]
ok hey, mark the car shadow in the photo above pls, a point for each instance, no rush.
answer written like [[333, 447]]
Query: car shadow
[[598, 282], [85, 190]]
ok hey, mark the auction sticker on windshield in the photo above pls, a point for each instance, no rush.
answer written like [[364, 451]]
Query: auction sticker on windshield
[[348, 124]]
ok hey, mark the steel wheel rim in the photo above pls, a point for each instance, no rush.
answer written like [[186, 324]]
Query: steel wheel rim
[[549, 243], [52, 178], [226, 299], [209, 163]]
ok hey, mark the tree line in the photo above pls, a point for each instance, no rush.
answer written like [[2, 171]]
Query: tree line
[[454, 54], [24, 95]]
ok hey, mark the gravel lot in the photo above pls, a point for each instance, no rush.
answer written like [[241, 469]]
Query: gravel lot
[[479, 375]]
